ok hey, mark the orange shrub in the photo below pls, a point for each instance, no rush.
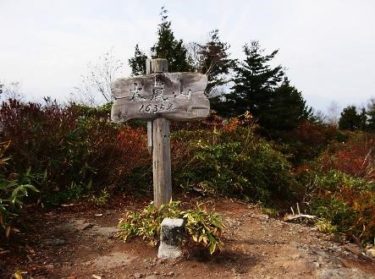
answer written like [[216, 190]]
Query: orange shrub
[[231, 125], [132, 148], [356, 157], [347, 202]]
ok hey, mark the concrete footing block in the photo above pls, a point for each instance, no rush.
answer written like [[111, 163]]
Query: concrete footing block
[[171, 238]]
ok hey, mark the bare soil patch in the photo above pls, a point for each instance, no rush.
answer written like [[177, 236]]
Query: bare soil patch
[[79, 241]]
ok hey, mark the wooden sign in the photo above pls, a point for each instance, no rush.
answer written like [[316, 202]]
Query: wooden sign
[[174, 96], [159, 97]]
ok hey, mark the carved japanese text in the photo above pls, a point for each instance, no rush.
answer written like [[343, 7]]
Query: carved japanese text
[[172, 95]]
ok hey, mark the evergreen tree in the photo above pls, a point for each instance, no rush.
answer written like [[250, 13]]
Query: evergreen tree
[[213, 60], [138, 62], [371, 115], [168, 47], [350, 119], [258, 89], [287, 108], [363, 119], [254, 81]]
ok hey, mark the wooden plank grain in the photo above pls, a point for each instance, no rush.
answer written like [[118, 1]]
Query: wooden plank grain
[[161, 162], [175, 96], [161, 151]]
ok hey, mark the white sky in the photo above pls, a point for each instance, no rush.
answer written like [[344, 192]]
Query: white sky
[[327, 46]]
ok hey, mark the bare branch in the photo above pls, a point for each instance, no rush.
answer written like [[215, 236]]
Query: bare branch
[[99, 78]]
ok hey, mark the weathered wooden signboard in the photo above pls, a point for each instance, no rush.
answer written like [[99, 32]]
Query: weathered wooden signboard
[[159, 97], [174, 96]]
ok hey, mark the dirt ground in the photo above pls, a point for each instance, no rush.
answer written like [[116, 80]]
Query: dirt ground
[[77, 241]]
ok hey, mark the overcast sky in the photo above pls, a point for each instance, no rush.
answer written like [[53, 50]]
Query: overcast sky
[[327, 46]]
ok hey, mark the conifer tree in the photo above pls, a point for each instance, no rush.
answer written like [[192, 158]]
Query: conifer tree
[[169, 47], [254, 80], [350, 119], [258, 88], [214, 61], [138, 62], [287, 108], [363, 119], [371, 115]]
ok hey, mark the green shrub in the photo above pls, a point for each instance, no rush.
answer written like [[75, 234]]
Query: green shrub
[[12, 191], [201, 227], [347, 202], [101, 199], [336, 211], [234, 163], [325, 226]]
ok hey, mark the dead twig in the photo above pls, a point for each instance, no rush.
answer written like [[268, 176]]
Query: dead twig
[[296, 217]]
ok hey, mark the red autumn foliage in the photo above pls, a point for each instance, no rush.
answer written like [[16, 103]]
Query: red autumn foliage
[[314, 134], [231, 125], [131, 143], [356, 157]]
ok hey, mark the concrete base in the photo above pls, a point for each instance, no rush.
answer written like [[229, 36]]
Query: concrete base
[[168, 251], [170, 238]]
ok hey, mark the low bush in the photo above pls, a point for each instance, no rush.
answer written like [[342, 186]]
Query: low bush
[[72, 150], [231, 161], [201, 227], [75, 150], [307, 141], [355, 157], [345, 201], [325, 226], [13, 188]]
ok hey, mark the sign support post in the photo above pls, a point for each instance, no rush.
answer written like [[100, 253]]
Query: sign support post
[[161, 162], [161, 149]]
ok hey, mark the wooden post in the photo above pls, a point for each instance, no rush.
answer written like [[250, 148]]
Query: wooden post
[[149, 136], [158, 65], [161, 150], [149, 123], [161, 160]]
